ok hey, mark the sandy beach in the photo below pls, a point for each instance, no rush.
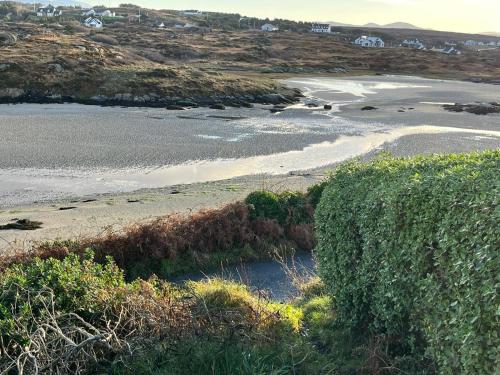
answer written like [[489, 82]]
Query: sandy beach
[[83, 170]]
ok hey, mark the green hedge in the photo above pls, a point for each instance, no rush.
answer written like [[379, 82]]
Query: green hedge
[[410, 248], [286, 208]]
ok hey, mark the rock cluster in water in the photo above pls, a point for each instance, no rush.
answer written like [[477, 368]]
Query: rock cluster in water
[[475, 108]]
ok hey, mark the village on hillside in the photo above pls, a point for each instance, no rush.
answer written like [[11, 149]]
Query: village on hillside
[[196, 21]]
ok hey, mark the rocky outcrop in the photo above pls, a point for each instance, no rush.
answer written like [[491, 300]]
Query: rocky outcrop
[[16, 95], [477, 109], [7, 39], [11, 93]]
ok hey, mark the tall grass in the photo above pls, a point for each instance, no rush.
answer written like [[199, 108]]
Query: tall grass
[[178, 244]]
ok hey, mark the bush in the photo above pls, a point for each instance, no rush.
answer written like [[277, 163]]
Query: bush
[[315, 192], [266, 205], [409, 249], [103, 38], [75, 316], [286, 208], [179, 244]]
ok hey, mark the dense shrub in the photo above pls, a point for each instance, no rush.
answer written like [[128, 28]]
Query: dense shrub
[[409, 248], [315, 192], [174, 244], [266, 205], [179, 244], [75, 316], [286, 208], [103, 38]]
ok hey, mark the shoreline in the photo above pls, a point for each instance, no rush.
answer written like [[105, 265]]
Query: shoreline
[[147, 102], [127, 100], [75, 184], [232, 171], [93, 215]]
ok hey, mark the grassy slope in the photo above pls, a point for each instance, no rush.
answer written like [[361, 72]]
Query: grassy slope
[[106, 325], [61, 64]]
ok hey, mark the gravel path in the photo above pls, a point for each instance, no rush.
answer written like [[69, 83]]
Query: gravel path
[[267, 277]]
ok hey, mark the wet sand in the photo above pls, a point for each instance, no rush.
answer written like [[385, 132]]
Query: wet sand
[[98, 213], [137, 171]]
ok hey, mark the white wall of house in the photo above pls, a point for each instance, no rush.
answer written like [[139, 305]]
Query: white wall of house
[[192, 13], [370, 42], [106, 13], [321, 28], [269, 27], [48, 11], [93, 23], [413, 43]]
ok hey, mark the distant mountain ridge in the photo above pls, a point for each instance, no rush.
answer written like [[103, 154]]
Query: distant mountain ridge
[[394, 25], [491, 33]]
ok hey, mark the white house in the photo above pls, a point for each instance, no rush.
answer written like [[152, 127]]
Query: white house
[[105, 13], [471, 43], [193, 13], [48, 11], [98, 12], [88, 12], [448, 50], [269, 27], [134, 18], [370, 41], [321, 28], [413, 43], [161, 26], [187, 26], [93, 22]]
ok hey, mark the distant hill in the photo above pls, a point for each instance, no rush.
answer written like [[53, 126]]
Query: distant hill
[[394, 25], [372, 24], [491, 34], [68, 3], [340, 24]]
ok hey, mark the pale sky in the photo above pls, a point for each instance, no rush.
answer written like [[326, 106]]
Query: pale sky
[[453, 15]]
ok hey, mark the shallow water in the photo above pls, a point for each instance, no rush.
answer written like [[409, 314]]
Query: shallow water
[[59, 151]]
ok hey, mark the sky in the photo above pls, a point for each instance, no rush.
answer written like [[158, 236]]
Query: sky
[[451, 15]]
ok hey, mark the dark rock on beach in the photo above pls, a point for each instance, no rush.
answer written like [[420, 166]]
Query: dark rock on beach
[[175, 107], [23, 224], [218, 106], [152, 100], [476, 108]]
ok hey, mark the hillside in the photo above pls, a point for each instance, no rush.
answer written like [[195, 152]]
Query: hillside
[[214, 62]]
